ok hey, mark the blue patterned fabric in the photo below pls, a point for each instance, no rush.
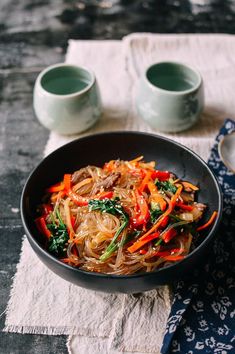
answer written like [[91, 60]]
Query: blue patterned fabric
[[202, 318]]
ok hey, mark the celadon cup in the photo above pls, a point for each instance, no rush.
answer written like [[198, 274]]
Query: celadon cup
[[170, 96], [66, 99]]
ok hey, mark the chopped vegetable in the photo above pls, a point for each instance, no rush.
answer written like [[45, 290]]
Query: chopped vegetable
[[59, 237], [145, 181], [209, 222], [174, 258], [142, 215], [77, 199], [42, 227], [67, 182], [138, 244], [157, 200], [190, 185], [166, 186], [142, 241], [47, 208], [56, 188], [170, 232], [169, 235], [161, 175], [184, 206], [155, 213]]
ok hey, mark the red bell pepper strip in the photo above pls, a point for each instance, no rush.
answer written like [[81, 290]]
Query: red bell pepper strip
[[75, 251], [165, 221], [161, 175], [47, 208], [167, 253], [142, 214], [169, 235], [42, 227], [77, 199], [184, 206], [144, 239], [104, 195]]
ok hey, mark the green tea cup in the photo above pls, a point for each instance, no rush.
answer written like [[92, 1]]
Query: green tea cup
[[170, 96], [67, 99]]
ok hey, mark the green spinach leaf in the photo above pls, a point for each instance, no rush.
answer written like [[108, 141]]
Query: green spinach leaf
[[166, 186], [59, 237]]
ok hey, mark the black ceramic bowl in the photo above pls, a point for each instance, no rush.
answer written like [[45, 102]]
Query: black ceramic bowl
[[95, 150]]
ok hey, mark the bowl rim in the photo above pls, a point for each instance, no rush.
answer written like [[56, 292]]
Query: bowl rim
[[38, 82], [179, 64], [115, 276]]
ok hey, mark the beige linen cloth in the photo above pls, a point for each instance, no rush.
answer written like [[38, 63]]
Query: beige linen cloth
[[40, 301]]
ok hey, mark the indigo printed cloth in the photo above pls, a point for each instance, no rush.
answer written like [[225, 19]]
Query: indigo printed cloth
[[202, 318]]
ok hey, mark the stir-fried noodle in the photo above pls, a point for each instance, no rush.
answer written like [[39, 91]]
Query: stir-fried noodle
[[122, 218]]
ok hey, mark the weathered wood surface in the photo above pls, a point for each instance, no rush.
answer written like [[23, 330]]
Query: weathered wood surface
[[33, 34]]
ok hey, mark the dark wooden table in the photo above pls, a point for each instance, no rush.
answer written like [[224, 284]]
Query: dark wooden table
[[34, 34]]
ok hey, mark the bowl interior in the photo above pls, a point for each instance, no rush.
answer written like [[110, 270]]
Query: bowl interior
[[100, 148]]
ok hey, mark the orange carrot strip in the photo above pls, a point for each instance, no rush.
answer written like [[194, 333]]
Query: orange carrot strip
[[140, 243], [144, 239], [56, 188], [61, 186], [174, 198], [109, 166], [209, 222], [57, 196], [145, 181], [67, 182], [156, 197], [173, 258], [190, 185]]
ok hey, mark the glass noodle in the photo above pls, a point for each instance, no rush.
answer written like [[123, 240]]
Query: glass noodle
[[122, 218]]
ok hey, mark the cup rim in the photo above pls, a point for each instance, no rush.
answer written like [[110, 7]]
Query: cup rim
[[63, 96], [170, 92]]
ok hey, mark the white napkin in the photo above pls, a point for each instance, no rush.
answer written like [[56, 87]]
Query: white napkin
[[40, 301]]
